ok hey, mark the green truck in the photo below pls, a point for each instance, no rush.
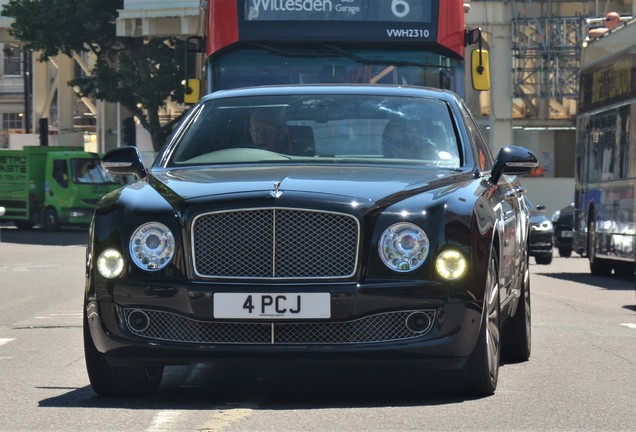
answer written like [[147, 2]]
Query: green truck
[[51, 186]]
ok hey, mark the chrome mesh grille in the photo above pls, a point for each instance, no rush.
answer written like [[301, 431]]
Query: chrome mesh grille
[[275, 243], [384, 327]]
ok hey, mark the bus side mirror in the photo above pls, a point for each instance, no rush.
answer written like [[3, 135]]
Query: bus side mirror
[[480, 69], [192, 91]]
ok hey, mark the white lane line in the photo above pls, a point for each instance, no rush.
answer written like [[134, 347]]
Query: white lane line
[[165, 421], [5, 340], [59, 315], [629, 325]]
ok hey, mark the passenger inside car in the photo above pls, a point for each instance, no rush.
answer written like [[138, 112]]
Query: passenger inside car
[[405, 139]]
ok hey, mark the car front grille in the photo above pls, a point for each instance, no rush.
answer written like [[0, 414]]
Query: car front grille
[[275, 243], [171, 327]]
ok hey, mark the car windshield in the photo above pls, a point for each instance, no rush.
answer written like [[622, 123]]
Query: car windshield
[[318, 129]]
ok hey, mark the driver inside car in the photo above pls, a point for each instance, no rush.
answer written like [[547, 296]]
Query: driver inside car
[[268, 130]]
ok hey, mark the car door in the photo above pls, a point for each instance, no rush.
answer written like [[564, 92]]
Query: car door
[[506, 202], [510, 209]]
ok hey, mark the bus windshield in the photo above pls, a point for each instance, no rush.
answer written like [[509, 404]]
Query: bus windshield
[[321, 64]]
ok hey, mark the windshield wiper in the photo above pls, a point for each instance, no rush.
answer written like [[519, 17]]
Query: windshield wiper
[[334, 51]]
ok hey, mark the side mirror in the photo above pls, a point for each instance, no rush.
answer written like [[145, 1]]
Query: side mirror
[[124, 161], [480, 69], [513, 160], [192, 91]]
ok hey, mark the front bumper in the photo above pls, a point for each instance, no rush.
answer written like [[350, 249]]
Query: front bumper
[[77, 216], [368, 323], [540, 243]]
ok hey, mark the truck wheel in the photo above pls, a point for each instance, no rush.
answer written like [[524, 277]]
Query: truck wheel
[[565, 252], [50, 220], [117, 381]]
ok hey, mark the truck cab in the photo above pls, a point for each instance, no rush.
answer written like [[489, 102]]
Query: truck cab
[[74, 184], [51, 186]]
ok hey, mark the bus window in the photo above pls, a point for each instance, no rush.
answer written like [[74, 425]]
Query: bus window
[[266, 65]]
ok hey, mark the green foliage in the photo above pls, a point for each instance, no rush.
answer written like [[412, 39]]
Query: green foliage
[[141, 74]]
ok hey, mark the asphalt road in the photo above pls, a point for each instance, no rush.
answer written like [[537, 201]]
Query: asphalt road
[[581, 376]]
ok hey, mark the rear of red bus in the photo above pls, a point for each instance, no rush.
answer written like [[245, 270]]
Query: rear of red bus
[[406, 42]]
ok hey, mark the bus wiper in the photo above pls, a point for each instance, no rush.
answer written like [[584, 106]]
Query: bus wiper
[[334, 51], [295, 53], [367, 61]]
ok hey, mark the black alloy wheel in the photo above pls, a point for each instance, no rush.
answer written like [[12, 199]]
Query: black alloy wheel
[[517, 339], [482, 369]]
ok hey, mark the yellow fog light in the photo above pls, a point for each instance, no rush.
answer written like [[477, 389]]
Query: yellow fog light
[[451, 264], [110, 263]]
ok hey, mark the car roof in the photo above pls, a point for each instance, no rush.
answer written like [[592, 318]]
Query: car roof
[[321, 89]]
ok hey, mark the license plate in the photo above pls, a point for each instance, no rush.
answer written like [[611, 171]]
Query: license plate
[[566, 233], [272, 305]]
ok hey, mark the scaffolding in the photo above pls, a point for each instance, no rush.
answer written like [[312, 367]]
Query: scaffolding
[[546, 51]]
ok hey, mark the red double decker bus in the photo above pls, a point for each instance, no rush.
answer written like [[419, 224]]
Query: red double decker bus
[[407, 42]]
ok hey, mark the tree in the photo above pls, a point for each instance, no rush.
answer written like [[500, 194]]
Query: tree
[[140, 74]]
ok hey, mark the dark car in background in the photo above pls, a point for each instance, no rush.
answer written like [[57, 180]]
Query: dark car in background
[[337, 246], [563, 222], [541, 239]]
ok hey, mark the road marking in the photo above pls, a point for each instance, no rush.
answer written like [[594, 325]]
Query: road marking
[[224, 418], [24, 267], [629, 325], [165, 421], [53, 315], [5, 340]]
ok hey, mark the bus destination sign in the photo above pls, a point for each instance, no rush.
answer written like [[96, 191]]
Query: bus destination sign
[[340, 20], [612, 82], [339, 10]]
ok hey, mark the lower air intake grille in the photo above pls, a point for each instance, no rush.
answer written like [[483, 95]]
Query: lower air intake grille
[[384, 327]]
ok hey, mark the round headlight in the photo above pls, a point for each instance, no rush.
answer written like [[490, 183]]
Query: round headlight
[[403, 247], [152, 246], [110, 263], [451, 264]]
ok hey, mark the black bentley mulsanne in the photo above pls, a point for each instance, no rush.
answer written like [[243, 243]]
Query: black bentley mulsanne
[[357, 222]]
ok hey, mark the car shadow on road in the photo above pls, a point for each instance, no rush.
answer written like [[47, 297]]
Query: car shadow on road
[[612, 283], [65, 237], [281, 388]]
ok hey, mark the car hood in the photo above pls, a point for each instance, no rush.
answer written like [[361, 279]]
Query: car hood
[[364, 184]]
